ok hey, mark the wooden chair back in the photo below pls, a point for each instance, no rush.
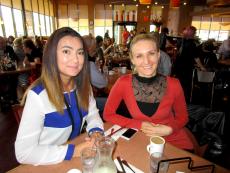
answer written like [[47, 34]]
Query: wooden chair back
[[17, 111]]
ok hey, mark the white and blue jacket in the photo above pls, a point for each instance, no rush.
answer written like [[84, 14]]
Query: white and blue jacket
[[43, 131]]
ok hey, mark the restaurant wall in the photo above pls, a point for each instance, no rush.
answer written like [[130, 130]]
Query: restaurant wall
[[173, 18], [26, 17], [185, 19], [143, 18]]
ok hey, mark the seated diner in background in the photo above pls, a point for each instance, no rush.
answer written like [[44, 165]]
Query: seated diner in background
[[57, 104], [224, 49], [155, 102], [97, 78], [33, 55], [107, 46]]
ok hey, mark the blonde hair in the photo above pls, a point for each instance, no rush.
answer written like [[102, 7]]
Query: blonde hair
[[18, 42], [50, 76], [143, 37]]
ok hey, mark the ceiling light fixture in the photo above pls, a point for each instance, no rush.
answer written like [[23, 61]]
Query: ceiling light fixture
[[145, 2], [174, 3]]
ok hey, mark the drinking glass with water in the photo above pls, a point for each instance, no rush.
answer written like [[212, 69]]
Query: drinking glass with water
[[88, 159]]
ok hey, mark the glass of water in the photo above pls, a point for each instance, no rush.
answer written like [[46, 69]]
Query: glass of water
[[88, 159], [155, 158]]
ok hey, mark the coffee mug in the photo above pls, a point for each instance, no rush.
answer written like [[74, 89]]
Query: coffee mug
[[156, 145], [123, 70], [111, 72]]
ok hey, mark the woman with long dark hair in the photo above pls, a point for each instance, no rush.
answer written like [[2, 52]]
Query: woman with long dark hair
[[58, 104]]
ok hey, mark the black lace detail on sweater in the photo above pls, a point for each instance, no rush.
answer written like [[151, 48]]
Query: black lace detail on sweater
[[149, 92]]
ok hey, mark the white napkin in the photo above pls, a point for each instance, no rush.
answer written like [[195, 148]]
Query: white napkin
[[116, 135], [127, 169]]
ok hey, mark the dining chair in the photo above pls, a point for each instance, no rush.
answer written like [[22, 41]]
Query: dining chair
[[17, 111], [204, 77], [198, 150]]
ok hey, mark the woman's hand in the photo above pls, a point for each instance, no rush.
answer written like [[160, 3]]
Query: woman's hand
[[89, 142], [151, 129]]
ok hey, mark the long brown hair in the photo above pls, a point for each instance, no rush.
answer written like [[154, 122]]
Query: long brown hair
[[50, 76]]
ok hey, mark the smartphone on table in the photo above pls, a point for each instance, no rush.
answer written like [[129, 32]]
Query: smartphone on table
[[128, 134]]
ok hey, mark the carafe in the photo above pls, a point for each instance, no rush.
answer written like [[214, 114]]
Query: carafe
[[104, 163]]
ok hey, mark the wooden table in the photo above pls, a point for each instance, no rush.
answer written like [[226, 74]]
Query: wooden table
[[134, 151], [225, 62], [113, 78]]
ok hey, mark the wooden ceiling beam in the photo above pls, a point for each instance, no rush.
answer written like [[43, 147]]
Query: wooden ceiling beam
[[212, 11]]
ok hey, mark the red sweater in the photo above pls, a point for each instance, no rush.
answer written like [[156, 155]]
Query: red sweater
[[171, 110]]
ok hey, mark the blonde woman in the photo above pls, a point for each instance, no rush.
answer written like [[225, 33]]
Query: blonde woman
[[58, 104], [155, 102]]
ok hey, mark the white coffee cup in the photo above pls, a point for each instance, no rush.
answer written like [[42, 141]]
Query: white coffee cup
[[123, 70], [111, 72], [156, 145]]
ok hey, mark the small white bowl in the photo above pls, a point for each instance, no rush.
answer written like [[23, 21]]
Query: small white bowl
[[74, 171]]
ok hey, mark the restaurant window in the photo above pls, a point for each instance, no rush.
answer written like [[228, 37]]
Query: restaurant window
[[1, 32], [224, 28], [47, 20], [109, 20], [36, 24], [51, 24], [29, 23], [204, 28], [103, 20], [73, 15], [7, 21], [204, 34], [63, 15], [42, 24], [1, 25], [214, 28], [217, 28], [223, 35], [83, 20], [152, 28], [18, 22], [99, 20]]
